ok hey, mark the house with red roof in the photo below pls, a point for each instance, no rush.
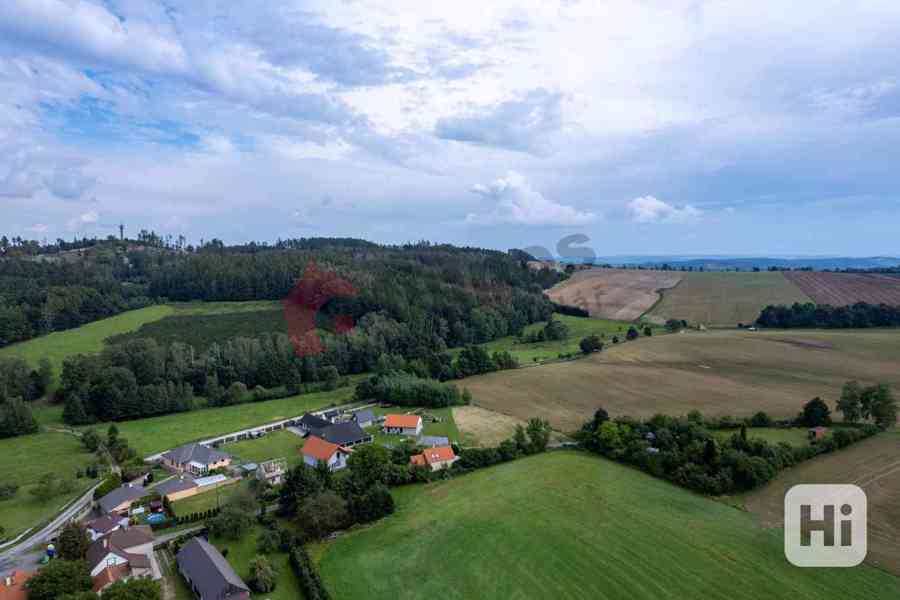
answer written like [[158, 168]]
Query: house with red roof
[[441, 457], [12, 586], [403, 424], [317, 450]]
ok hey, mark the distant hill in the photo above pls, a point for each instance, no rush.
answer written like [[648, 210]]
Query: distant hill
[[725, 263]]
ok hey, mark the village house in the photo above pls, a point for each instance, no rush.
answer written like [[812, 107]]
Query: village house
[[344, 434], [126, 553], [438, 458], [195, 459], [364, 418], [403, 424], [208, 573], [119, 501], [105, 525], [12, 587], [317, 450], [430, 441], [310, 423]]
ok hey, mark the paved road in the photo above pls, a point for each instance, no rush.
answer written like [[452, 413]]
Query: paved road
[[22, 555]]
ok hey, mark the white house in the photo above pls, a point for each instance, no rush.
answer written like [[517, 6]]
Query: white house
[[403, 424], [317, 450]]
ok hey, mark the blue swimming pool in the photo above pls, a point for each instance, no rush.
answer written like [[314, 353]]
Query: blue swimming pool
[[156, 518]]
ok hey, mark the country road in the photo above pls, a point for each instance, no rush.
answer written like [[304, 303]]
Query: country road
[[22, 555]]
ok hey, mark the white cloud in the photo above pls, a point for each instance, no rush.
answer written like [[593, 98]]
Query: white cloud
[[38, 228], [648, 209], [84, 219], [515, 201]]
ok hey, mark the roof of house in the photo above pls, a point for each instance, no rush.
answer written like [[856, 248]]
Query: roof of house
[[110, 575], [439, 454], [402, 421], [311, 421], [15, 591], [119, 542], [319, 449], [343, 434], [330, 414], [364, 416], [418, 460], [124, 493], [176, 484], [104, 524], [433, 440], [195, 453], [208, 570]]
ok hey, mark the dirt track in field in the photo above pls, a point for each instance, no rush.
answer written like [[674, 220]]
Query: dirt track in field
[[620, 294], [841, 289]]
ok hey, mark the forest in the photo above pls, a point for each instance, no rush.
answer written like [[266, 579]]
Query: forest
[[824, 316]]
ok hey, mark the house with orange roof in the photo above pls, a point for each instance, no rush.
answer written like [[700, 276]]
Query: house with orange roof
[[441, 457], [109, 575], [403, 424], [12, 587], [317, 450]]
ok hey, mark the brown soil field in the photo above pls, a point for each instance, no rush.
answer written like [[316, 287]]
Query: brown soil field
[[725, 299], [873, 465], [716, 372], [841, 289], [619, 294]]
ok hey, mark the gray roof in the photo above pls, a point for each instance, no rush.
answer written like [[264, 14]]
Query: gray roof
[[104, 524], [119, 495], [310, 421], [208, 570], [364, 416], [195, 452], [176, 484], [119, 541], [433, 440], [343, 434]]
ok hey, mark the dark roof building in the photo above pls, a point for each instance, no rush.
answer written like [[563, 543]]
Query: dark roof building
[[208, 573], [174, 485], [197, 453], [310, 422], [343, 434], [364, 418], [121, 498]]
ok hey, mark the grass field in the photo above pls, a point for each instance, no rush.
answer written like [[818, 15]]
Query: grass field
[[200, 325], [872, 464], [156, 434], [446, 428], [579, 327], [794, 436], [840, 289], [278, 444], [725, 299], [206, 500], [240, 554], [571, 525], [716, 372], [23, 461], [86, 339]]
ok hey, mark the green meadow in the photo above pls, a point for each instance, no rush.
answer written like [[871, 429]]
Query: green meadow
[[571, 525]]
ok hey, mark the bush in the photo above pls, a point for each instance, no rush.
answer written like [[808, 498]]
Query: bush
[[760, 419], [308, 576]]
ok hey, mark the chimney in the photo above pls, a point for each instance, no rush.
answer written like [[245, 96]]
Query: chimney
[[105, 543], [10, 580]]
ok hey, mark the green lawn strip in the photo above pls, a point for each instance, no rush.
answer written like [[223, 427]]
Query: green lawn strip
[[156, 434], [795, 436], [86, 339], [206, 500], [572, 525], [23, 510], [278, 444], [446, 428], [241, 552], [220, 308], [579, 327]]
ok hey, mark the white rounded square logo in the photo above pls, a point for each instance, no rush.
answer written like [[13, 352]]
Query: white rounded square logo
[[825, 525]]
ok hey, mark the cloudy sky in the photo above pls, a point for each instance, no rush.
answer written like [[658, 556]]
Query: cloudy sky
[[651, 127]]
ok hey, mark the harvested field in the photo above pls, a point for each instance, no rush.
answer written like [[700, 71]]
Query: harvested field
[[874, 465], [619, 294], [725, 299], [718, 373], [841, 289], [486, 427]]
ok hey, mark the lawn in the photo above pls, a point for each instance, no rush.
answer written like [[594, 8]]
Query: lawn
[[579, 327], [149, 436], [241, 552], [205, 501], [446, 428], [278, 444], [795, 436], [571, 525], [86, 339]]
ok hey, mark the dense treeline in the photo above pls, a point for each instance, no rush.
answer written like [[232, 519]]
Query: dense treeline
[[808, 315], [19, 385], [460, 295], [684, 451]]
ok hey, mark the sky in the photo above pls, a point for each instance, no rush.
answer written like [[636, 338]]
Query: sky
[[670, 127]]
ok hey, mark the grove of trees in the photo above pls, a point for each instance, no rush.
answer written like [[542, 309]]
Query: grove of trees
[[808, 315]]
